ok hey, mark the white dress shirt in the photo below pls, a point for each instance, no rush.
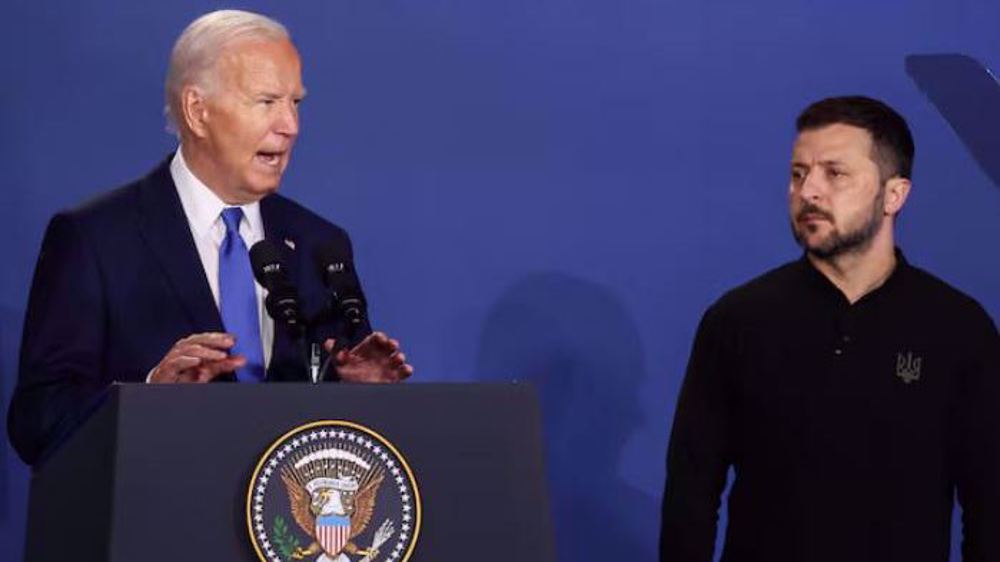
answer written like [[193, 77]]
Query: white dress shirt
[[203, 210]]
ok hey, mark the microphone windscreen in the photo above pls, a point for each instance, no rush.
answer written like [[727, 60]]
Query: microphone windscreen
[[282, 302], [267, 264], [345, 291], [334, 267]]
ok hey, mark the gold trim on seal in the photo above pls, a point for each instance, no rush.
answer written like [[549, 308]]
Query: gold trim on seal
[[334, 423]]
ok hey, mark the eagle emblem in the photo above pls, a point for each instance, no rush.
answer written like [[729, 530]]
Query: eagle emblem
[[338, 480]]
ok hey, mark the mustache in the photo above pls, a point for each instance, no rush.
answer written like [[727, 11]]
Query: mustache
[[811, 209]]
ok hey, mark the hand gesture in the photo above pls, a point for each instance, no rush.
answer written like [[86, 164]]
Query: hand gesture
[[198, 358], [377, 359]]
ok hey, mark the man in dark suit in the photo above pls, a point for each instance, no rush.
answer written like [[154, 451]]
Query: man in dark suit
[[152, 282]]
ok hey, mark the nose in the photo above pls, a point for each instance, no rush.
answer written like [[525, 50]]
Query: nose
[[811, 186], [287, 120]]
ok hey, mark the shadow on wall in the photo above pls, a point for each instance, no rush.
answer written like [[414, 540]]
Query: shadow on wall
[[13, 474], [577, 344], [8, 378]]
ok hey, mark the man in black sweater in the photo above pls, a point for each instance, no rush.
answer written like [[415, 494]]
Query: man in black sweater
[[852, 393]]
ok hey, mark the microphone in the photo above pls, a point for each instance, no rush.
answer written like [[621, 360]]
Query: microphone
[[282, 302], [345, 292]]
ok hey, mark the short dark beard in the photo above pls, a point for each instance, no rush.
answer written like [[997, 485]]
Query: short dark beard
[[839, 244]]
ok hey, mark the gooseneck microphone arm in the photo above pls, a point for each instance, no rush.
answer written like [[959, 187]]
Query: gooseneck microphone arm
[[282, 302], [345, 301]]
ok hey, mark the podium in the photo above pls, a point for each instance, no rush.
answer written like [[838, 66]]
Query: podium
[[162, 472]]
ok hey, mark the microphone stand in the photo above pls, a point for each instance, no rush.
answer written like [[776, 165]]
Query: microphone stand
[[312, 350], [315, 371]]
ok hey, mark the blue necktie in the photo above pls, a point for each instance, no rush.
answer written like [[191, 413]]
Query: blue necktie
[[238, 298]]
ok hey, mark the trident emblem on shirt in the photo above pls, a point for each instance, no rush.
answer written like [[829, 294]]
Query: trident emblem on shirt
[[908, 367]]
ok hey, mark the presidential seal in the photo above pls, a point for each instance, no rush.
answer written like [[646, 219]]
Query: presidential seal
[[333, 491]]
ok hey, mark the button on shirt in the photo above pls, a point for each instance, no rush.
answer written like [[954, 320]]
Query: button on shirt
[[203, 210]]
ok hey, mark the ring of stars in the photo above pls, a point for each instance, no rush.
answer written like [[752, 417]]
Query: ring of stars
[[333, 435]]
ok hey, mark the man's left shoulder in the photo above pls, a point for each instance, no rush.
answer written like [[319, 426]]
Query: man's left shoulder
[[945, 300], [302, 220]]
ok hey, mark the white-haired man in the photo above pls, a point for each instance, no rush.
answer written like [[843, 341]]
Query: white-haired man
[[153, 282]]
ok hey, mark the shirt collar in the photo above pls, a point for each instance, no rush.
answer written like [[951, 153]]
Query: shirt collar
[[202, 206], [820, 282]]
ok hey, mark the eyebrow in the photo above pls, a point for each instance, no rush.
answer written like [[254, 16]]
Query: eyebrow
[[275, 95], [828, 162]]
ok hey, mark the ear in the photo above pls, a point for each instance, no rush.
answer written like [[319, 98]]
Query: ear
[[896, 191], [194, 111]]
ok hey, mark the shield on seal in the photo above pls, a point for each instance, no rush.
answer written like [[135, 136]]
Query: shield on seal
[[332, 533]]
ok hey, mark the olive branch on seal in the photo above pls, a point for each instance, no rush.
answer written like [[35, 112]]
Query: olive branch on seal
[[283, 539]]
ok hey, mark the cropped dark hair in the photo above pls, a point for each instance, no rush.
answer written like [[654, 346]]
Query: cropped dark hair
[[891, 138]]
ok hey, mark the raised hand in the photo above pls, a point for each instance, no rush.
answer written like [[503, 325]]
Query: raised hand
[[377, 359]]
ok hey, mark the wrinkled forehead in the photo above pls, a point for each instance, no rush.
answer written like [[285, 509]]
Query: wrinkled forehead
[[261, 65], [832, 143]]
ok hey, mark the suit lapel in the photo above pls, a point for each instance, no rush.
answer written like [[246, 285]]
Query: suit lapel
[[279, 231], [165, 230], [286, 354]]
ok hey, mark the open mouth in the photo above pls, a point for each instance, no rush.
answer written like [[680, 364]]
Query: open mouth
[[269, 158]]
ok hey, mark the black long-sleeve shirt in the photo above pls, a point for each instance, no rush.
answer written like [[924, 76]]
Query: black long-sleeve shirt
[[849, 427]]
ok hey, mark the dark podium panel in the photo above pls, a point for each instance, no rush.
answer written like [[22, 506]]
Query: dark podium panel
[[160, 472]]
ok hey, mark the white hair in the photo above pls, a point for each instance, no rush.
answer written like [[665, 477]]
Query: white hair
[[198, 48]]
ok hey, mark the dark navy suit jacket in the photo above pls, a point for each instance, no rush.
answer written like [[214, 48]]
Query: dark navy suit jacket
[[118, 282]]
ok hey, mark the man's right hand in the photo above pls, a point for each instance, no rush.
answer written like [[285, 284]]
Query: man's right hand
[[198, 358]]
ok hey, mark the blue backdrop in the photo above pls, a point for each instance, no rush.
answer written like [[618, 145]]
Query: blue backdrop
[[549, 190]]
